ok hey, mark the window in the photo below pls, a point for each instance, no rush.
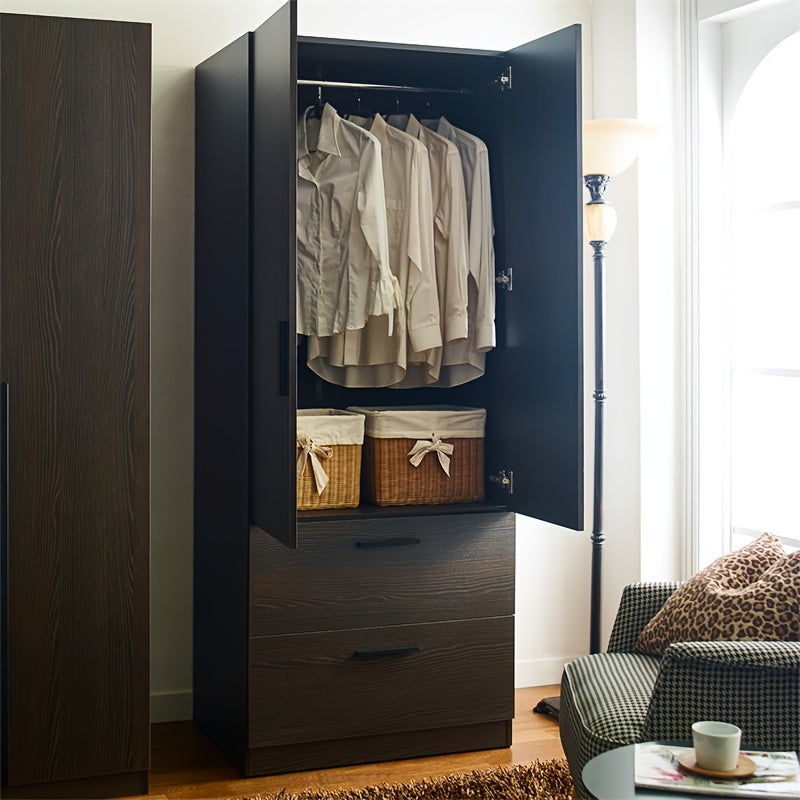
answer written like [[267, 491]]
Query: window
[[748, 278], [764, 182]]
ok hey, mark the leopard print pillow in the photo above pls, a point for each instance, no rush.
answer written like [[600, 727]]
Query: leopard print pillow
[[752, 593]]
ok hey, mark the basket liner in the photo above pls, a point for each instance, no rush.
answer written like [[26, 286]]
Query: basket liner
[[423, 422], [330, 426]]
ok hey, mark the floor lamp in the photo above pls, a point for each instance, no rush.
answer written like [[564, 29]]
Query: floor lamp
[[610, 146]]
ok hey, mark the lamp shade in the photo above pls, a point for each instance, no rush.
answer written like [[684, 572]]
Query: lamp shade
[[611, 145]]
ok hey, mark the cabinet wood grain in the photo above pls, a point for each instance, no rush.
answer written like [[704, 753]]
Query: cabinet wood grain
[[368, 681], [383, 572], [74, 349]]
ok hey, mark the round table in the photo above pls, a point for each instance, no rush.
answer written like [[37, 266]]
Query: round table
[[609, 776]]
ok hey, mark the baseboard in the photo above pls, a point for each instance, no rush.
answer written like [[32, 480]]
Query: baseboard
[[539, 671], [170, 706]]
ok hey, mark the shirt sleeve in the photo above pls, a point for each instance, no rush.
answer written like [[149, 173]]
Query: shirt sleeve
[[383, 291], [482, 262], [454, 220], [422, 296]]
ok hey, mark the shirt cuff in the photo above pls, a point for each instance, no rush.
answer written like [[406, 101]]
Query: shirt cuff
[[485, 337], [425, 337], [455, 328], [387, 299]]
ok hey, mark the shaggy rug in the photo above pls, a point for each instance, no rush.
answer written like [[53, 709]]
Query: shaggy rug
[[542, 780]]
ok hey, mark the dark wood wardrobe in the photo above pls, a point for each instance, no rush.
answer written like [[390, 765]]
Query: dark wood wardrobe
[[335, 637], [74, 364]]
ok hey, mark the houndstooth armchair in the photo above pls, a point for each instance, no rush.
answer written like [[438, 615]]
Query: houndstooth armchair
[[620, 697]]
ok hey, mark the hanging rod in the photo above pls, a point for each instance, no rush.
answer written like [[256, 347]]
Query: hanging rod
[[383, 86]]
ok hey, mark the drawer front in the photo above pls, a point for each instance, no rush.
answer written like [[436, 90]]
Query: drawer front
[[338, 684], [392, 571]]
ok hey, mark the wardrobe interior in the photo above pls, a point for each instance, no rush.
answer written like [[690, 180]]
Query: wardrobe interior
[[523, 106]]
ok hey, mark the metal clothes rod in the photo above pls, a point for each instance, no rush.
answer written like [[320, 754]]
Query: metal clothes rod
[[383, 86]]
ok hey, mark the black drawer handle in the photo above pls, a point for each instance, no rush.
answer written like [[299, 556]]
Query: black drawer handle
[[396, 541], [388, 652]]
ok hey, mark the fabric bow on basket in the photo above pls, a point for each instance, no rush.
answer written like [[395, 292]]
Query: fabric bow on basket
[[435, 445], [312, 451]]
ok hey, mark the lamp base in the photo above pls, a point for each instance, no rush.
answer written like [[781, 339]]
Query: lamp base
[[551, 706]]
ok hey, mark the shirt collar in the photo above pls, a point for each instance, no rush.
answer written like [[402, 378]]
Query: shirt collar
[[444, 127], [413, 126], [380, 127], [328, 141]]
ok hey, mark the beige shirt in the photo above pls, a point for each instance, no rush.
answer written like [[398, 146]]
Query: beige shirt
[[343, 274], [450, 241], [371, 356], [465, 360]]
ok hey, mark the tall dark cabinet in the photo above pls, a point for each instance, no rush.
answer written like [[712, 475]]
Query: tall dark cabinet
[[333, 637], [74, 364]]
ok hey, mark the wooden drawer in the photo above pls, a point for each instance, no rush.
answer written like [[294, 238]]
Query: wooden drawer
[[337, 684], [397, 570]]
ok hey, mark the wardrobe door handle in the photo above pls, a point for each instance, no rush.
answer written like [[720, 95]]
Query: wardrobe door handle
[[388, 652], [4, 523], [283, 358], [395, 541], [4, 461]]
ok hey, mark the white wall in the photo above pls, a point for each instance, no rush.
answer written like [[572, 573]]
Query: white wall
[[552, 563], [636, 72], [661, 250], [614, 77]]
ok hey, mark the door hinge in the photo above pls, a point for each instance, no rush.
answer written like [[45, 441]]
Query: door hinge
[[504, 479], [503, 80], [504, 279]]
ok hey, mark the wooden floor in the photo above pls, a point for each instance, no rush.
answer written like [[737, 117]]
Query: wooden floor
[[184, 763]]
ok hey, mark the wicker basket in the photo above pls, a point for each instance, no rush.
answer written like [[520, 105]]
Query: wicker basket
[[329, 445], [409, 451]]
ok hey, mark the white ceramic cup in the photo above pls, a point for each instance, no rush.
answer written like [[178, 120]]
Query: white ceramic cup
[[716, 745]]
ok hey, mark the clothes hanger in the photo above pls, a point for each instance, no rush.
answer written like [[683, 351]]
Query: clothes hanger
[[428, 112], [431, 115], [432, 111], [319, 105], [361, 111]]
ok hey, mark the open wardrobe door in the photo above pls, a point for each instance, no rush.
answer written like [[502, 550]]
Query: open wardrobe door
[[539, 435], [273, 393]]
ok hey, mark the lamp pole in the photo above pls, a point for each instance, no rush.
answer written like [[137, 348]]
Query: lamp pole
[[596, 184], [599, 405]]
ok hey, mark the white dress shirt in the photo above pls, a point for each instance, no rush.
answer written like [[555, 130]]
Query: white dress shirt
[[450, 242], [372, 356], [466, 360], [343, 274]]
